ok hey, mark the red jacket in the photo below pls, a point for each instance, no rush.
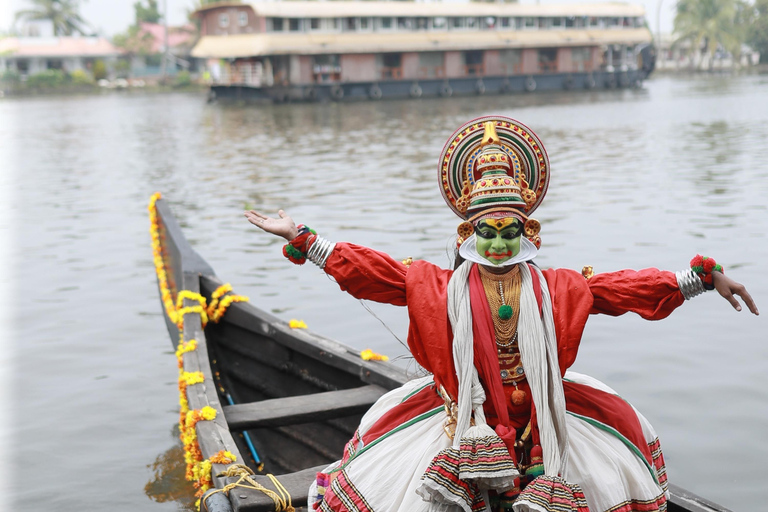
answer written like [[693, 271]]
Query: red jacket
[[367, 274]]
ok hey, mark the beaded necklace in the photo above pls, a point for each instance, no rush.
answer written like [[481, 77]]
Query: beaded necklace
[[500, 288]]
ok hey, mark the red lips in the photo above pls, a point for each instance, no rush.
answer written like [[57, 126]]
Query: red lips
[[498, 255]]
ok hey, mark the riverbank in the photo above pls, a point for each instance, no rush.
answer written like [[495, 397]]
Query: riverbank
[[78, 83]]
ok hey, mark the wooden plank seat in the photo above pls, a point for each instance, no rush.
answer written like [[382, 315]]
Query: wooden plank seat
[[301, 409]]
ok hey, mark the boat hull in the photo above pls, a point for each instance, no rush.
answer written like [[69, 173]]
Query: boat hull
[[430, 88]]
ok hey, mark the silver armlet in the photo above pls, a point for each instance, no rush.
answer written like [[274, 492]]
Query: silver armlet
[[690, 284], [320, 251]]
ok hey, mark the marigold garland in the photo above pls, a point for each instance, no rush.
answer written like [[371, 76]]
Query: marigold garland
[[297, 324], [370, 355], [177, 311], [198, 470]]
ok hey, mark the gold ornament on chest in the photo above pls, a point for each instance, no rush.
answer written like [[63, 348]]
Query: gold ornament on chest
[[503, 294]]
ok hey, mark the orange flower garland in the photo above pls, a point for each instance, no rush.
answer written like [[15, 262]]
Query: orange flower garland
[[198, 469]]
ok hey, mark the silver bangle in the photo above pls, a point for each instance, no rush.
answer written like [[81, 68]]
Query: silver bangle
[[320, 251], [690, 284]]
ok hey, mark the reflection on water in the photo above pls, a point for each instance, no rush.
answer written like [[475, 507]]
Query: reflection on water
[[639, 178], [168, 483]]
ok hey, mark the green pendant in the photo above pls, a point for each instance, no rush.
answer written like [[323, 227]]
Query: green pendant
[[505, 312]]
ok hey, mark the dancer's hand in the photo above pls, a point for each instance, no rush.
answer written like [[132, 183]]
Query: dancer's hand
[[727, 287], [284, 226]]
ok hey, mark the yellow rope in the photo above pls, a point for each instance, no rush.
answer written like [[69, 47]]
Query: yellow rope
[[243, 474]]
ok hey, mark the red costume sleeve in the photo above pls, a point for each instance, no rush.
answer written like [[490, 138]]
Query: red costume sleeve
[[368, 274], [651, 293]]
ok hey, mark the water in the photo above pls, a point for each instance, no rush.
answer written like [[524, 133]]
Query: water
[[640, 178]]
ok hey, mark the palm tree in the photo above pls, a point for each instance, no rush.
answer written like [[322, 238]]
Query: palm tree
[[62, 13], [707, 24]]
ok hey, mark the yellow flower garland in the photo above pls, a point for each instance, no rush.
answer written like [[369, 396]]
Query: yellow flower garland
[[198, 470]]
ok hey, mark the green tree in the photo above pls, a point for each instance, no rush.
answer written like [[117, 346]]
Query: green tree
[[707, 24], [148, 14], [757, 31], [62, 13]]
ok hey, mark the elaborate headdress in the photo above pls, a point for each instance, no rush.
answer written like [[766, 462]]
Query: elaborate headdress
[[494, 166]]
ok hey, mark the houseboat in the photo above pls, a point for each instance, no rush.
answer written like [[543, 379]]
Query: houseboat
[[316, 51]]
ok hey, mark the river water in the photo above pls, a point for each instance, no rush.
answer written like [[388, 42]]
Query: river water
[[639, 178]]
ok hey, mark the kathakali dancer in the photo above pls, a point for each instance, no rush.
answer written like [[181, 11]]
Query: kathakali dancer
[[500, 424]]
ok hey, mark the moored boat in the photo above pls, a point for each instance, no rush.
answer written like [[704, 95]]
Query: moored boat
[[314, 51], [265, 398]]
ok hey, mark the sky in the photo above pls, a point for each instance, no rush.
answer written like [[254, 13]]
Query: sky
[[112, 16]]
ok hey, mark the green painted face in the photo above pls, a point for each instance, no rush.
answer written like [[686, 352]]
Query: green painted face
[[498, 240]]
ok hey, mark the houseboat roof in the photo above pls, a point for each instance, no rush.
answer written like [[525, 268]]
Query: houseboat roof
[[346, 9], [254, 45], [21, 47]]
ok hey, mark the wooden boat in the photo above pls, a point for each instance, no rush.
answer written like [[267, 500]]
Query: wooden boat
[[287, 400]]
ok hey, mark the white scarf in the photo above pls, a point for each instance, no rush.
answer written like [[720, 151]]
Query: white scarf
[[538, 351]]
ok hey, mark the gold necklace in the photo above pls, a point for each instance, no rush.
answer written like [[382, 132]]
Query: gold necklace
[[499, 287]]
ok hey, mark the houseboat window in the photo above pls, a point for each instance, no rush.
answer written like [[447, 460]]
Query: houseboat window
[[431, 65], [570, 21], [545, 22], [365, 23], [511, 61], [580, 54], [350, 24], [385, 23], [613, 22], [471, 22], [277, 24], [530, 22], [518, 22], [505, 22], [224, 20], [548, 60], [489, 22], [242, 18], [473, 63], [457, 22], [422, 23], [314, 23], [439, 23], [335, 23], [580, 58], [391, 66], [405, 23], [326, 68], [294, 24], [557, 22], [594, 22]]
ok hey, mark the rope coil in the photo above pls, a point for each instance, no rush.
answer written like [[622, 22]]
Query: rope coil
[[281, 498]]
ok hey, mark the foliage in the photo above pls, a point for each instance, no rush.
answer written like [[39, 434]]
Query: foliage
[[99, 70], [757, 33], [134, 41], [148, 14], [708, 24], [123, 68], [80, 77], [155, 59], [47, 79], [62, 13], [10, 77], [183, 78]]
